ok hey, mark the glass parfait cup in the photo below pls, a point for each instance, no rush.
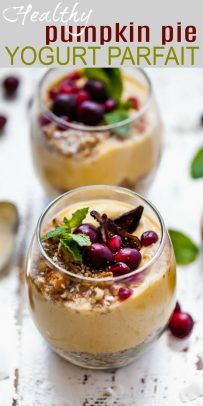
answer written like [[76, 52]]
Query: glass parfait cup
[[115, 332], [68, 155]]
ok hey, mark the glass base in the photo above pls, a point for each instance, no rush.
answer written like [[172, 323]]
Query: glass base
[[107, 360], [142, 186]]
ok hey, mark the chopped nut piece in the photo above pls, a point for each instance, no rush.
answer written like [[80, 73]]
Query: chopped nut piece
[[57, 280], [99, 293]]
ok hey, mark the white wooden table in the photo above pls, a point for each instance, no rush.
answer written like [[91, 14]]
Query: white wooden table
[[30, 374]]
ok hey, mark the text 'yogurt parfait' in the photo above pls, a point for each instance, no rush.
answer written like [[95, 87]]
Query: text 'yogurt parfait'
[[101, 276], [95, 126]]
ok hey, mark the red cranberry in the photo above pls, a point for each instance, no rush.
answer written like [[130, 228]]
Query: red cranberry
[[53, 93], [82, 96], [148, 238], [124, 293], [64, 105], [10, 85], [119, 269], [68, 87], [3, 121], [177, 308], [130, 256], [98, 256], [44, 120], [114, 243], [181, 324], [135, 102], [110, 105], [96, 89], [90, 112], [75, 75], [89, 230]]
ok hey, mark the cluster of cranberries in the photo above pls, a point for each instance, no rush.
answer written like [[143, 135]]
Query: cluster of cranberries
[[10, 86], [181, 323], [120, 261], [86, 104]]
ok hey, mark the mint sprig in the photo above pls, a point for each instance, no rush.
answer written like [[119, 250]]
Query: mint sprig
[[186, 251], [77, 218], [196, 169], [73, 249], [63, 234], [118, 116]]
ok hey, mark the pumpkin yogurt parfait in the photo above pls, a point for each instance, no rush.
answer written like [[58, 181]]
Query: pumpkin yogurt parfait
[[95, 126], [101, 276]]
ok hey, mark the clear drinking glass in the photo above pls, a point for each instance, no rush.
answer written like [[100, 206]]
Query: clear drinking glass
[[71, 155], [100, 337]]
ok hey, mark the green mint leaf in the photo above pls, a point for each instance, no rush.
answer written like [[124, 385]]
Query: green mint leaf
[[115, 86], [72, 247], [81, 239], [77, 218], [117, 116], [186, 251], [57, 232], [97, 74], [111, 77], [196, 169], [127, 105], [66, 222]]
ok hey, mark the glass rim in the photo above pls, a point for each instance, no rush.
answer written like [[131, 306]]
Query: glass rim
[[99, 128], [109, 278]]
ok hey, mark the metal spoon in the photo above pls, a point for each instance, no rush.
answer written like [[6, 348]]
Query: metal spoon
[[9, 220]]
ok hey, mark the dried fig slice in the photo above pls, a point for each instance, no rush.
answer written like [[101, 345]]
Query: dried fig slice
[[103, 222], [130, 220], [109, 228], [129, 240]]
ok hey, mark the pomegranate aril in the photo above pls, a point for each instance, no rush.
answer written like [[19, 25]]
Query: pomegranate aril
[[130, 256], [89, 230], [110, 105], [114, 243], [135, 102], [10, 85], [148, 238], [75, 75], [53, 93], [68, 89], [3, 121], [43, 120], [97, 256], [124, 293], [82, 96], [119, 269], [181, 324]]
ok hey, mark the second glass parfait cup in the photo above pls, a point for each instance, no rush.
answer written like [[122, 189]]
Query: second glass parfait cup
[[70, 150], [101, 318]]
